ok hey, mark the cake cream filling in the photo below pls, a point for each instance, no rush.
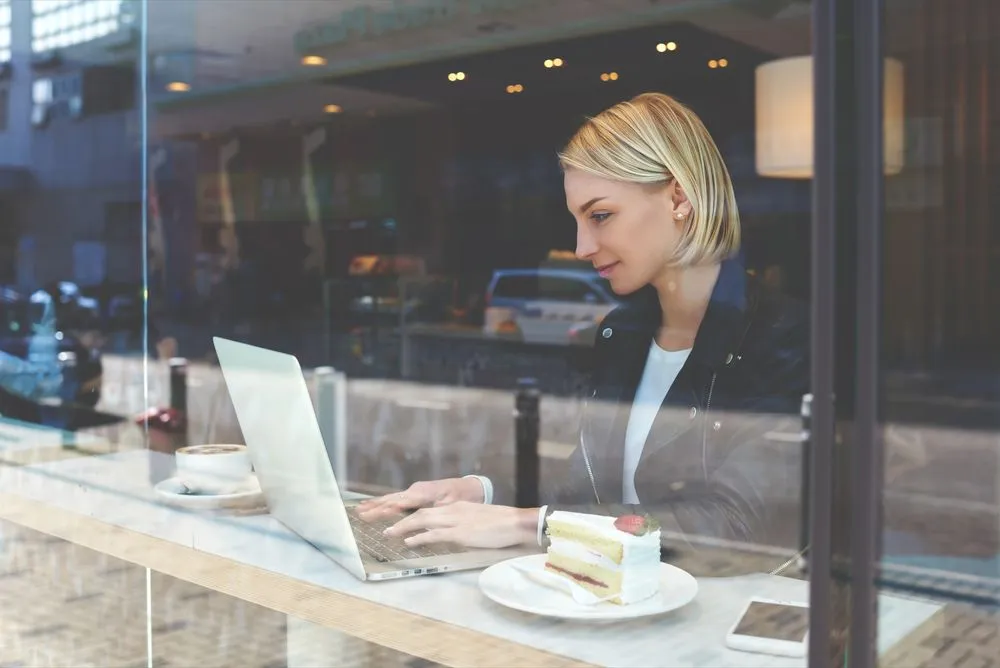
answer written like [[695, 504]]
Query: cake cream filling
[[640, 570], [633, 558]]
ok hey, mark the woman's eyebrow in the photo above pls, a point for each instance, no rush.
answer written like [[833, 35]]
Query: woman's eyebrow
[[585, 207]]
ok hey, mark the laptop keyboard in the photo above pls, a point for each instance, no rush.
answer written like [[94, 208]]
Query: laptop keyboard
[[385, 549]]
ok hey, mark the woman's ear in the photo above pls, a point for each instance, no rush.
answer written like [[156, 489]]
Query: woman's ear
[[682, 205]]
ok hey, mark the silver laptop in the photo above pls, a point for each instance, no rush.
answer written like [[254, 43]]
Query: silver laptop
[[286, 447]]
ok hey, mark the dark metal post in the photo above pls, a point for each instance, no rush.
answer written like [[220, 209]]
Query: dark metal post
[[867, 448], [824, 647], [805, 494], [178, 384], [526, 430]]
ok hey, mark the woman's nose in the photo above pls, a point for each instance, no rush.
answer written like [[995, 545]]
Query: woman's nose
[[586, 245]]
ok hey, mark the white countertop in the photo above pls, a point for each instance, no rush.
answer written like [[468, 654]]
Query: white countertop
[[116, 490]]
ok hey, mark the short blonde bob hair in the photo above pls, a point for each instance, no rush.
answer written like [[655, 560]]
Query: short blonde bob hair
[[653, 139]]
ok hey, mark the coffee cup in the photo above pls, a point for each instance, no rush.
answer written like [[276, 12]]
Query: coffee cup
[[213, 468]]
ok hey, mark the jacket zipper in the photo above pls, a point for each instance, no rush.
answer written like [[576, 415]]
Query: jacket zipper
[[586, 462], [704, 431]]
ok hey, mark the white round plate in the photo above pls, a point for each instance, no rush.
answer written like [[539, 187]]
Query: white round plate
[[171, 491], [505, 584]]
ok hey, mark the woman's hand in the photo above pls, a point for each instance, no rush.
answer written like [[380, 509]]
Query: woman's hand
[[423, 494], [470, 525]]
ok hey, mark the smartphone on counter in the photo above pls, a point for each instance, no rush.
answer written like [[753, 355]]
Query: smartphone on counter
[[766, 626]]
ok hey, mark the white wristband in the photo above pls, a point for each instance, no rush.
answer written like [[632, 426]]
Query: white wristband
[[487, 487], [541, 524]]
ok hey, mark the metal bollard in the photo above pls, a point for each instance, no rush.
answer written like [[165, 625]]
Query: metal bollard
[[166, 438], [526, 433], [331, 411], [178, 384], [804, 537], [404, 336]]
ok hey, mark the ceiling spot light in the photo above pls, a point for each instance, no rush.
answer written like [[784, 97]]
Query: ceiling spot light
[[609, 76], [313, 61], [713, 63], [554, 62], [663, 47], [515, 88], [456, 76], [333, 109], [549, 64], [558, 62], [613, 76], [178, 87], [723, 62]]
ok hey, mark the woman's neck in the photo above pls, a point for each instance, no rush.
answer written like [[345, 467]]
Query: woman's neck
[[684, 293]]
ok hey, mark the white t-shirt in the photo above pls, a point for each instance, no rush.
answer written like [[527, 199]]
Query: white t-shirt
[[662, 367]]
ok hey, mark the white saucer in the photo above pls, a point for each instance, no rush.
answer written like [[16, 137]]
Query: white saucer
[[506, 584], [172, 491]]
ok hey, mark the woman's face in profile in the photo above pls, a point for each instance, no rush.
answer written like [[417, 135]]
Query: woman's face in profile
[[628, 231]]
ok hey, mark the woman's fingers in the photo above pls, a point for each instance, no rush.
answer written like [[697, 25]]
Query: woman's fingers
[[422, 520], [432, 536], [467, 523], [391, 504]]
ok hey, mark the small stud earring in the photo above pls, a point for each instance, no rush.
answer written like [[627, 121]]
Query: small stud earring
[[679, 216]]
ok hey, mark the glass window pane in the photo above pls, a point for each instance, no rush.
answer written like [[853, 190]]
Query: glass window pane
[[363, 220], [61, 163], [940, 369], [344, 183]]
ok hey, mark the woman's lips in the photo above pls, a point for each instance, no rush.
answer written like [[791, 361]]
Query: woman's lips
[[605, 270]]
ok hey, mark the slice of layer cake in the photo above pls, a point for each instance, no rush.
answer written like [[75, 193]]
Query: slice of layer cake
[[606, 556]]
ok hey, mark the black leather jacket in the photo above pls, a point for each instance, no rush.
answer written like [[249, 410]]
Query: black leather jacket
[[743, 382]]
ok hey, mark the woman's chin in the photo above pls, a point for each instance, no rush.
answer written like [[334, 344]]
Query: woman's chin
[[623, 287]]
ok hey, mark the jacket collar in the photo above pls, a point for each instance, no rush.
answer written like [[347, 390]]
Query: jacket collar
[[723, 326]]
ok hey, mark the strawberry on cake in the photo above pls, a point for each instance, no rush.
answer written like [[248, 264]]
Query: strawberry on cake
[[616, 557]]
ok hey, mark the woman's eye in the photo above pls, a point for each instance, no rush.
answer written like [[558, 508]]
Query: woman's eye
[[600, 217]]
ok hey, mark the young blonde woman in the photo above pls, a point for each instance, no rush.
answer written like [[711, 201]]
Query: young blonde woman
[[690, 375]]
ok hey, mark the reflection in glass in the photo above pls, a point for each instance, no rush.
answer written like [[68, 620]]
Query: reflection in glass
[[5, 26], [940, 372], [70, 23]]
